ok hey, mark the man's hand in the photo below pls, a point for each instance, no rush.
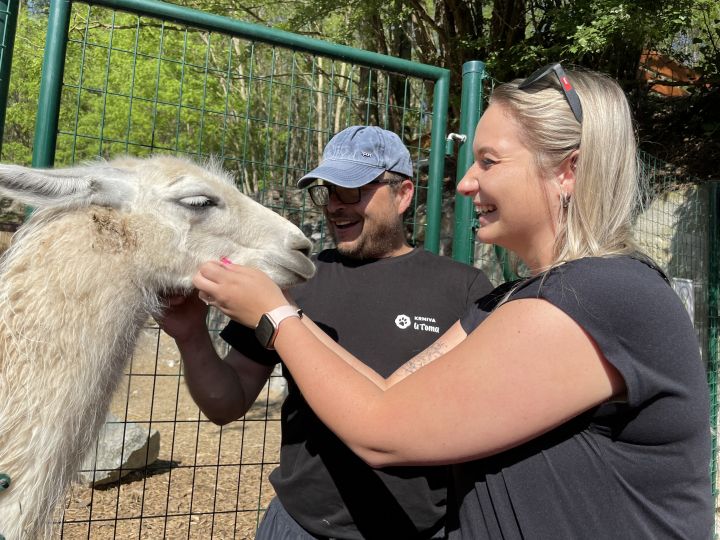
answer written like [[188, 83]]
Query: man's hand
[[183, 317]]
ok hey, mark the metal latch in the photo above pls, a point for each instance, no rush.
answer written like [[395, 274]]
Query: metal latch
[[450, 141]]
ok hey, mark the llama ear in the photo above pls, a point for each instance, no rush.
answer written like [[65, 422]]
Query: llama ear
[[76, 186]]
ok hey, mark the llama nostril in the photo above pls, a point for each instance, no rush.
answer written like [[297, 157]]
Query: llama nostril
[[4, 481]]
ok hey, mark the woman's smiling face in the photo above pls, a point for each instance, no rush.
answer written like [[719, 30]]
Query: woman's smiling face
[[517, 207]]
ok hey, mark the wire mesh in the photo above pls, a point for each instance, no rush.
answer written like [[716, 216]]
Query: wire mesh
[[138, 86], [8, 23]]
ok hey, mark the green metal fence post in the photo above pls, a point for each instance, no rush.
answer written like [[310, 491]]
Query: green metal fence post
[[8, 24], [471, 105], [51, 84], [437, 163]]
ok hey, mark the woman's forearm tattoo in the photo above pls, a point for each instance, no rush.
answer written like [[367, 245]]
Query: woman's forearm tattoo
[[433, 352]]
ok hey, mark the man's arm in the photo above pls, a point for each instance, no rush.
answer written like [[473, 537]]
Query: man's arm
[[224, 389]]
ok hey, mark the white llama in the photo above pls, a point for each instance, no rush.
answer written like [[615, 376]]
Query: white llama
[[79, 282]]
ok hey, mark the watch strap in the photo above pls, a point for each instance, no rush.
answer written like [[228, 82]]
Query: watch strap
[[279, 314], [267, 328]]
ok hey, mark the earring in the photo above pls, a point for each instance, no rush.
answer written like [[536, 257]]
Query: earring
[[564, 199]]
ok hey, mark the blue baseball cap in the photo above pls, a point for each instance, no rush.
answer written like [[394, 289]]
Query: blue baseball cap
[[358, 155]]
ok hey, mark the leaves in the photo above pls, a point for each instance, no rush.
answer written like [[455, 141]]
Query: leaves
[[189, 91]]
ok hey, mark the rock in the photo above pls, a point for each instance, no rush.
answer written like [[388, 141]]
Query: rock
[[115, 459], [277, 386]]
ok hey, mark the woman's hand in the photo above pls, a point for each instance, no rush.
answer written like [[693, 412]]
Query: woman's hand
[[240, 292]]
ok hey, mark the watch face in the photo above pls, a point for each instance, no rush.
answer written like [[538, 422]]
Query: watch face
[[264, 331]]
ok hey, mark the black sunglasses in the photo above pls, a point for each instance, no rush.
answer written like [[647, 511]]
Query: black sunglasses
[[320, 194], [570, 94]]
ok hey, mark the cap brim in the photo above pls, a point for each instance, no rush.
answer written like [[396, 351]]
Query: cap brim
[[342, 173]]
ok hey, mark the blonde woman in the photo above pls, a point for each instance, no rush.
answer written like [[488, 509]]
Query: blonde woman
[[572, 403]]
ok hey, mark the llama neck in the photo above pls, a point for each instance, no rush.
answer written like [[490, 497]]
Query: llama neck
[[75, 291], [71, 308]]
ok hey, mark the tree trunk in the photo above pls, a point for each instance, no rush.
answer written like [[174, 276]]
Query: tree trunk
[[507, 24]]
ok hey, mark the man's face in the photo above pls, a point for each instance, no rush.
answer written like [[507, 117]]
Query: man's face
[[371, 228]]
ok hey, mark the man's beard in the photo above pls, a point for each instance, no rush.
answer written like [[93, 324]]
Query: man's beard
[[375, 242]]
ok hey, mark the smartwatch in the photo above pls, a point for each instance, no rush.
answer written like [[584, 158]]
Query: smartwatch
[[267, 329]]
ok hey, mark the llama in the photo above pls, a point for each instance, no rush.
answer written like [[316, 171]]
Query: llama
[[81, 279]]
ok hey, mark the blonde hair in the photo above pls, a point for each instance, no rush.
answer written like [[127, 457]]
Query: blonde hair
[[598, 219]]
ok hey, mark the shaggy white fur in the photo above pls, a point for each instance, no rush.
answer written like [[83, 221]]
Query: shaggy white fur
[[79, 282]]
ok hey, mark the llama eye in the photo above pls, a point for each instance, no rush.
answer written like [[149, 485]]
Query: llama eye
[[198, 201]]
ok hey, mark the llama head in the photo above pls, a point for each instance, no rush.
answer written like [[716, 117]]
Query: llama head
[[172, 215]]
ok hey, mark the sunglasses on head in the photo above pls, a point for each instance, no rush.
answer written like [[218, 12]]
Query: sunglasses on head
[[570, 94]]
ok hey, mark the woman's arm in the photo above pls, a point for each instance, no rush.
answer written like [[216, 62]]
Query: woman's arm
[[333, 346], [525, 370], [454, 335], [451, 338]]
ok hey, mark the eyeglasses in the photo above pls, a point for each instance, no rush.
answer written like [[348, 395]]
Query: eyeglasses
[[570, 94], [320, 194]]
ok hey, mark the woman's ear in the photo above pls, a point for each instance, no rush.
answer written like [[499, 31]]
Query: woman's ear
[[566, 173]]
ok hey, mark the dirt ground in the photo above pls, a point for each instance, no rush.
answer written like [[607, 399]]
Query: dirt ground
[[207, 483]]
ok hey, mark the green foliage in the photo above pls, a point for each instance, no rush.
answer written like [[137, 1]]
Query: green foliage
[[698, 44], [137, 85], [24, 88], [134, 85]]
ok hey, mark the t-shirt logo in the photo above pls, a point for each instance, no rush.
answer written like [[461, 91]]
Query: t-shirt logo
[[402, 321], [421, 323]]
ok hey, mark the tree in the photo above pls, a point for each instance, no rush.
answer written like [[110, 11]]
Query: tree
[[24, 89], [163, 109], [514, 37]]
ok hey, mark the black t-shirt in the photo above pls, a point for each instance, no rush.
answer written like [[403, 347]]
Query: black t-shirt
[[637, 469], [384, 312]]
